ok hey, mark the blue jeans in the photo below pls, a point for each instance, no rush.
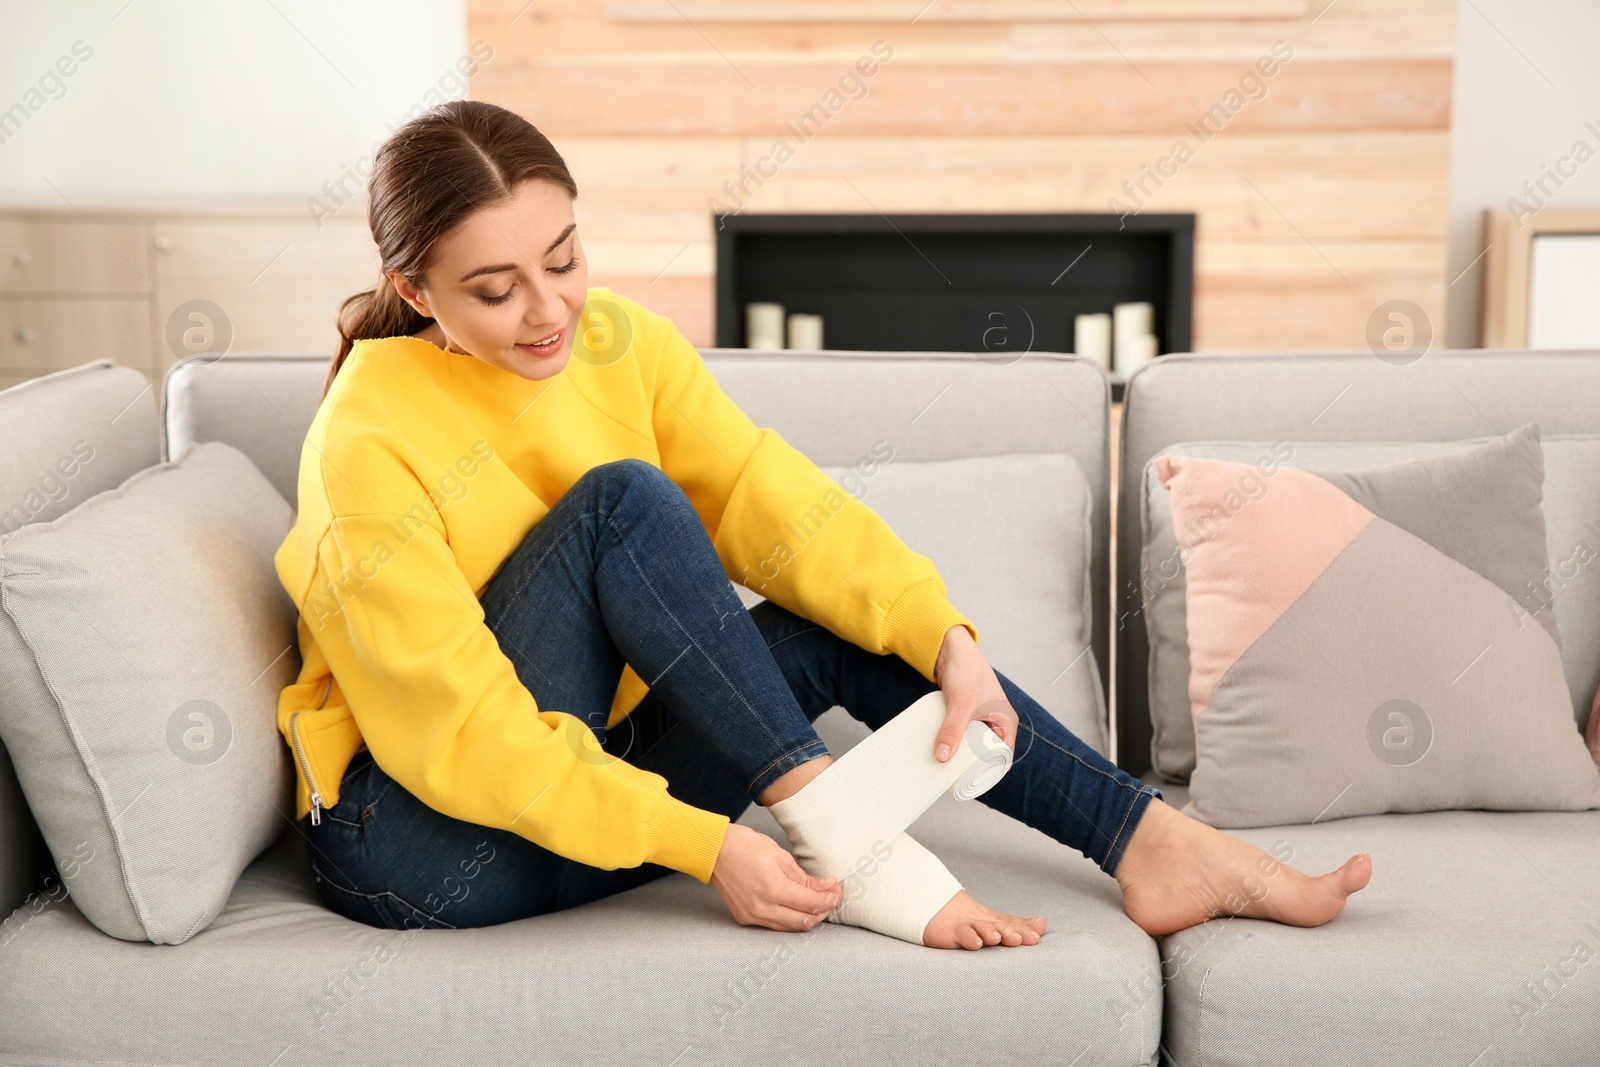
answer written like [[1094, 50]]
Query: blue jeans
[[622, 570]]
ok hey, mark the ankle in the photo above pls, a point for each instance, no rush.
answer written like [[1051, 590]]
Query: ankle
[[793, 780], [1153, 835]]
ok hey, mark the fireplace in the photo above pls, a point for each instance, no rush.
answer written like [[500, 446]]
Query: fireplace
[[997, 284]]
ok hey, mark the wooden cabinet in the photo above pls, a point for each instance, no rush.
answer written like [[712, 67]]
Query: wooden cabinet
[[278, 285], [49, 256], [145, 284], [39, 336]]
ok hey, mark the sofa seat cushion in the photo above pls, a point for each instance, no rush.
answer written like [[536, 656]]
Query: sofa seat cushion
[[1476, 942], [645, 976]]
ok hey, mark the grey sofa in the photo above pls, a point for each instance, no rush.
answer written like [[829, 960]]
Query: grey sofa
[[660, 974], [1467, 912]]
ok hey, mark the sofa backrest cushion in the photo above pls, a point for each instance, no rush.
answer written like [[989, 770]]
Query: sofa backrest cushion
[[1003, 531], [835, 406], [64, 437], [261, 405], [1339, 411]]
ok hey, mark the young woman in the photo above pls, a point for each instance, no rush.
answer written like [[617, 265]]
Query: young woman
[[527, 682]]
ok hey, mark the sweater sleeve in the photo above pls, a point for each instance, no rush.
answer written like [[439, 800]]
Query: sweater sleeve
[[786, 530], [444, 713]]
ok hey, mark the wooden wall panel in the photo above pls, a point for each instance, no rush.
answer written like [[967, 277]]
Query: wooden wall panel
[[940, 10], [969, 99], [1318, 200]]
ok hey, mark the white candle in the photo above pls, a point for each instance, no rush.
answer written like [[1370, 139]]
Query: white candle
[[1131, 343], [763, 325], [1133, 353], [1091, 338], [1132, 320], [805, 331]]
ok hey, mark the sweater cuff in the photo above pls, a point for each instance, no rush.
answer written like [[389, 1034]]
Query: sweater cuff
[[915, 626], [684, 837]]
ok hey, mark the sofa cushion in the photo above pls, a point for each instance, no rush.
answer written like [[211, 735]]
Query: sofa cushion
[[1591, 734], [1571, 507], [1476, 942], [657, 974], [1011, 536], [832, 405], [1375, 640], [1349, 397], [65, 437], [261, 405], [144, 639]]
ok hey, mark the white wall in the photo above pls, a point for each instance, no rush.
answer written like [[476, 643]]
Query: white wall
[[1526, 82], [201, 98]]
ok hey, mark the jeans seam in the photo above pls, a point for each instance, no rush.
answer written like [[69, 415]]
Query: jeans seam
[[754, 715], [1126, 815], [787, 755], [1079, 759], [527, 572], [790, 637], [377, 900], [1138, 789], [432, 916]]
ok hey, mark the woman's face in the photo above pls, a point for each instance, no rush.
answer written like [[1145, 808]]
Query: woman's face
[[513, 274]]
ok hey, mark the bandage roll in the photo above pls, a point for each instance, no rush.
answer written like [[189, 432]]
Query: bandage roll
[[990, 761], [885, 783]]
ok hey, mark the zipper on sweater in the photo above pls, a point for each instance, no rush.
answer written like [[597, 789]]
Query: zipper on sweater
[[300, 754]]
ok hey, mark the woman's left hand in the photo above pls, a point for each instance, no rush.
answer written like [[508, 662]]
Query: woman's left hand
[[971, 692]]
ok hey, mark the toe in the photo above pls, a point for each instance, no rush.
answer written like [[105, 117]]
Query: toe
[[1356, 873]]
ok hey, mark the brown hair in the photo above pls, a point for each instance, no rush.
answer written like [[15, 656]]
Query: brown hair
[[427, 178]]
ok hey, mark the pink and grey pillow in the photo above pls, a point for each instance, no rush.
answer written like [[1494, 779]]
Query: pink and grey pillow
[[1371, 641]]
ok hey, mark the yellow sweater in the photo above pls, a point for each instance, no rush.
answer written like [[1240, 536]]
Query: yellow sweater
[[423, 471]]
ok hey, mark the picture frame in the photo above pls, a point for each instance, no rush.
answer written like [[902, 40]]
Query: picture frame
[[1510, 303]]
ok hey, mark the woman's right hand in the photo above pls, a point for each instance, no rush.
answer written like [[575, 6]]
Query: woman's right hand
[[763, 885]]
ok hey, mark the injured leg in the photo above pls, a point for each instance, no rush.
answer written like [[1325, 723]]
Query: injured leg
[[849, 822]]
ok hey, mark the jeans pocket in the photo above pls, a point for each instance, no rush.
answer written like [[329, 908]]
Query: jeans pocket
[[363, 785]]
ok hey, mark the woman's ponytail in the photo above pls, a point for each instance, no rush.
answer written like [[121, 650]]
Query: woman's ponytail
[[428, 178], [376, 312]]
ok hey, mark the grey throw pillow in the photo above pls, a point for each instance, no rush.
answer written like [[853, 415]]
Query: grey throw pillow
[[144, 639]]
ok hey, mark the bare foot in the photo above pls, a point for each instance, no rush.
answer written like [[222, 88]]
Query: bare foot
[[1178, 871], [965, 923]]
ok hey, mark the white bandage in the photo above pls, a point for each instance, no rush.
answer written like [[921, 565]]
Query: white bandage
[[849, 821]]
